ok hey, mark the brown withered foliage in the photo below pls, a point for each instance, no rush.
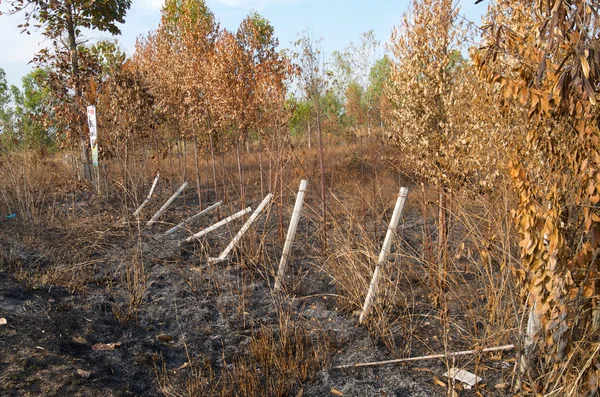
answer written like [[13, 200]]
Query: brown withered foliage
[[546, 56]]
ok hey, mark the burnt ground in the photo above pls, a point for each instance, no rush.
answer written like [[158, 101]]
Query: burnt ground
[[63, 293]]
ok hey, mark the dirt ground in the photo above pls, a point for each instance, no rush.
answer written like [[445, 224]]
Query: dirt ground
[[62, 289]]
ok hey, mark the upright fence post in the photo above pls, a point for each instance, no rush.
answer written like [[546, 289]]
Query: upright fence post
[[385, 250], [290, 234]]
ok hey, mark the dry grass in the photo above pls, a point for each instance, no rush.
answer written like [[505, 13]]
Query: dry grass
[[279, 360], [477, 307], [32, 186]]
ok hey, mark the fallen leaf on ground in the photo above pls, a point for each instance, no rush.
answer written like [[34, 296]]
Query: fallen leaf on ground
[[79, 339], [336, 392], [164, 338], [83, 373], [105, 346], [2, 321], [184, 365], [438, 382]]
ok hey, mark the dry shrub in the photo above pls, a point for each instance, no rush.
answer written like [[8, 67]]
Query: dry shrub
[[278, 361], [134, 279], [28, 184]]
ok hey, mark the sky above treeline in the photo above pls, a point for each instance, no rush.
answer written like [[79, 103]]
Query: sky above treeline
[[337, 22]]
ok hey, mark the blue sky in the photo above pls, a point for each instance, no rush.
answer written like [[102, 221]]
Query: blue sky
[[338, 22]]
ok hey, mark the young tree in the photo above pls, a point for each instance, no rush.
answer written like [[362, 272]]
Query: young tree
[[31, 106], [8, 137], [421, 88], [353, 78], [176, 61], [64, 19], [314, 83], [555, 73]]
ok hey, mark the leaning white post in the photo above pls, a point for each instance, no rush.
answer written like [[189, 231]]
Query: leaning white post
[[193, 218], [244, 228], [215, 226], [385, 250], [167, 204], [289, 239], [137, 212]]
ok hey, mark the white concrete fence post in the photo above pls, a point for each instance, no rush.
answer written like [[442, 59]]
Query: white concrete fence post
[[385, 250], [289, 240]]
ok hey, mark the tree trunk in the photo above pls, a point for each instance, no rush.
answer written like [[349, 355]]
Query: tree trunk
[[214, 170], [260, 159], [85, 156], [184, 172], [442, 252], [241, 173], [197, 172], [322, 170]]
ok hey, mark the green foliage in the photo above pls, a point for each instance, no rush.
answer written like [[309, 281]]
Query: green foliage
[[59, 16], [7, 137], [31, 105], [380, 75], [185, 16], [301, 110], [109, 55], [5, 99]]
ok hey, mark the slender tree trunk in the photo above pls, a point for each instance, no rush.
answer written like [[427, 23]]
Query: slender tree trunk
[[197, 172], [260, 159], [280, 177], [309, 134], [171, 167], [271, 180], [178, 146], [223, 181], [442, 253], [85, 156], [214, 169], [125, 177], [184, 173], [322, 170], [241, 172]]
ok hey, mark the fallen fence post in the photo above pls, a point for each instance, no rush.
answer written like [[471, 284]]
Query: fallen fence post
[[167, 204], [243, 230], [385, 250], [421, 358], [147, 200], [193, 218], [289, 239], [215, 226]]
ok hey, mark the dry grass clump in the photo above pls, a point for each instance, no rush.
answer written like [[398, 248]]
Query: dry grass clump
[[412, 315], [279, 359], [30, 185], [134, 279]]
